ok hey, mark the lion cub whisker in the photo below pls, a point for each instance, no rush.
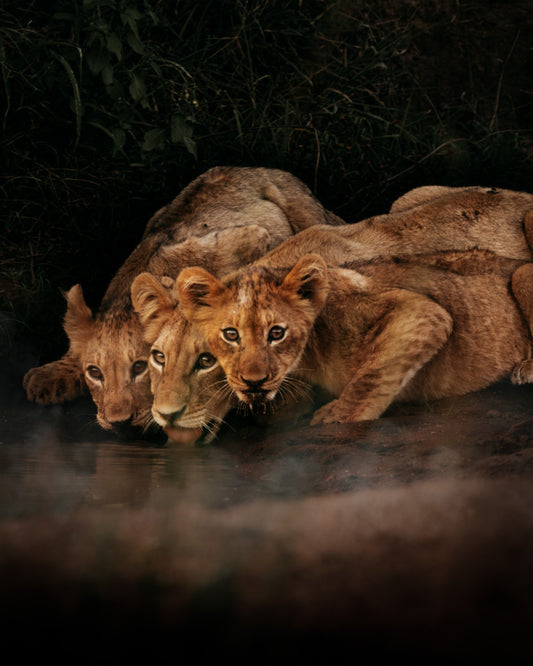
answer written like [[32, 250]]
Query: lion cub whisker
[[293, 388]]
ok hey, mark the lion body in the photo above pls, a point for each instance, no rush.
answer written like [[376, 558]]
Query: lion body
[[426, 219], [393, 329], [226, 217], [429, 216]]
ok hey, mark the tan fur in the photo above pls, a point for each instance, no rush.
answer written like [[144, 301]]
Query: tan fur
[[404, 328], [226, 217], [430, 215], [187, 383], [427, 219]]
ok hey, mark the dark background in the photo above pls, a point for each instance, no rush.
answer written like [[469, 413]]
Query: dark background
[[112, 106]]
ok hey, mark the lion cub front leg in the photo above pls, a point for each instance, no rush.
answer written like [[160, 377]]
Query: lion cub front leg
[[399, 343], [55, 382], [522, 287]]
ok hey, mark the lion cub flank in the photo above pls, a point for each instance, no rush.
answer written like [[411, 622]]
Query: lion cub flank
[[392, 329]]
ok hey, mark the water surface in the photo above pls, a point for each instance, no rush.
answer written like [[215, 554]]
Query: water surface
[[408, 536]]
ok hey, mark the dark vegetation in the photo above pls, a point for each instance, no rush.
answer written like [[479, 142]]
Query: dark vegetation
[[112, 106]]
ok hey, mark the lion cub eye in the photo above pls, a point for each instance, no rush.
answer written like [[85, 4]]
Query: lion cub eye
[[205, 361], [276, 333], [158, 357], [230, 334], [94, 372], [138, 368]]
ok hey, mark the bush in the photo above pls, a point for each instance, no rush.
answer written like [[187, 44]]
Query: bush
[[112, 106]]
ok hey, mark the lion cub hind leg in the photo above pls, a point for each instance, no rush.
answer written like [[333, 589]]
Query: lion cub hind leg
[[55, 382], [522, 286], [399, 343]]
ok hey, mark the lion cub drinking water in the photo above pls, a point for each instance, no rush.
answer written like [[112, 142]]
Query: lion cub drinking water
[[226, 217], [392, 329]]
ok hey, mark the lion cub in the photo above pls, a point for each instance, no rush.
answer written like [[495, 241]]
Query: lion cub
[[392, 329], [190, 395], [226, 217]]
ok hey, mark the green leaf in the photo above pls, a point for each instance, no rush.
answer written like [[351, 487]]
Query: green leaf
[[117, 135], [137, 88], [190, 144], [156, 68], [114, 45], [181, 132], [179, 129], [108, 75], [130, 16], [135, 43], [131, 13], [115, 90], [154, 138], [97, 60]]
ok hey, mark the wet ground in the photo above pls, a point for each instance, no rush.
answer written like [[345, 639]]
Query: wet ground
[[410, 536]]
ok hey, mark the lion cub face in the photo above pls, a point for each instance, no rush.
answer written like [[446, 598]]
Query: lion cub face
[[114, 358], [190, 397], [256, 322]]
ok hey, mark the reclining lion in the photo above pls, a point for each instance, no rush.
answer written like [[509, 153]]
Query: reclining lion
[[226, 217], [405, 328], [191, 401]]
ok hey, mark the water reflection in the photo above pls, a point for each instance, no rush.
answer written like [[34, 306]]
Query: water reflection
[[56, 460], [272, 540], [49, 476]]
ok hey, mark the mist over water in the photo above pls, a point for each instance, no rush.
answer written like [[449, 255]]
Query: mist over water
[[408, 536]]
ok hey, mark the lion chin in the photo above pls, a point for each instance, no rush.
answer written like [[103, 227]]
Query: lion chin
[[140, 425], [258, 402]]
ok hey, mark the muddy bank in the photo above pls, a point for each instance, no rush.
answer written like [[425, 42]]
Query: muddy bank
[[436, 570], [410, 536]]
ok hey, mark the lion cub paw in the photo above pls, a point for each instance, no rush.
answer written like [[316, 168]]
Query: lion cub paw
[[523, 372], [53, 383], [329, 413]]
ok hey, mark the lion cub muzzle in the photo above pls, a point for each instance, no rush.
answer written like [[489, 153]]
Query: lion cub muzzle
[[168, 418], [254, 392], [169, 421], [122, 429]]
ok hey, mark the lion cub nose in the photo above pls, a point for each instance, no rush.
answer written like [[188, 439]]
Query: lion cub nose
[[254, 383], [122, 427], [170, 417]]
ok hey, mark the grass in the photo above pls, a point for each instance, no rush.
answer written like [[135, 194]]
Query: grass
[[112, 106]]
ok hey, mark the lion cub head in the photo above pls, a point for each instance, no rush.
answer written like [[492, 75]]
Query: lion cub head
[[257, 322], [114, 360], [190, 398]]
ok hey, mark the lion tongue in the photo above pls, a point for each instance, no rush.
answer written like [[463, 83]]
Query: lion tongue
[[183, 435]]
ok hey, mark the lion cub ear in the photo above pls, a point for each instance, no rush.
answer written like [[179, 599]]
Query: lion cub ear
[[154, 302], [198, 291], [79, 321], [308, 281]]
